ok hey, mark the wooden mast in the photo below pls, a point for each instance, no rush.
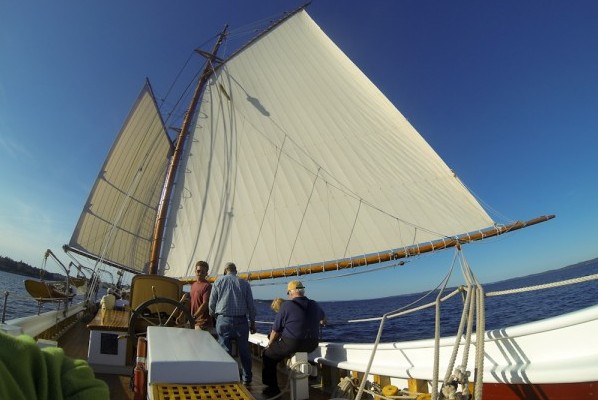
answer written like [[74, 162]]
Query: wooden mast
[[176, 157]]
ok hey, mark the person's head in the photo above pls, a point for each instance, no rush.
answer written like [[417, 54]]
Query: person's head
[[230, 268], [276, 303], [295, 289], [201, 269]]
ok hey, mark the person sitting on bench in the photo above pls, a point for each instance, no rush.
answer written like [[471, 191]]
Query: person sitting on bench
[[296, 329]]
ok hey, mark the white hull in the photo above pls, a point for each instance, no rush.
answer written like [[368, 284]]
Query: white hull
[[36, 324], [563, 349]]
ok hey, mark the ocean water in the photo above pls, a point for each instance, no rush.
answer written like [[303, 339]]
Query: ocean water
[[501, 311]]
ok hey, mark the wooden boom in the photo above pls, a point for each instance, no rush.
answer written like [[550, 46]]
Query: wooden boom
[[410, 251]]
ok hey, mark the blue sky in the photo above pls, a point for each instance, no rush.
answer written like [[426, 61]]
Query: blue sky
[[506, 92]]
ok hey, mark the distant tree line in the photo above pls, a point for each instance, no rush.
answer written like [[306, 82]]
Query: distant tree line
[[7, 264]]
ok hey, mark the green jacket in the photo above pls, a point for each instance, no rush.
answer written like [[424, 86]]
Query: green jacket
[[30, 373]]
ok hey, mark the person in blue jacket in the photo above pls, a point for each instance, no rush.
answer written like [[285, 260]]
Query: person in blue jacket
[[296, 328]]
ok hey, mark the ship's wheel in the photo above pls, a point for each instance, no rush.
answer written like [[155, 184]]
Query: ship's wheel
[[159, 311]]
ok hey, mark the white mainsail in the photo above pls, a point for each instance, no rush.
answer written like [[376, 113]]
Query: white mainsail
[[297, 158], [117, 222]]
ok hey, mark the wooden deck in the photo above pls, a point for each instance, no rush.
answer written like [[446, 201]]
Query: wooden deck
[[75, 344]]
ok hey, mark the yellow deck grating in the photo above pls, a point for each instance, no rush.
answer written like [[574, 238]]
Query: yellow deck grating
[[197, 392]]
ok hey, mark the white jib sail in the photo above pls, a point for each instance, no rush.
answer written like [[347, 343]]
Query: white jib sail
[[297, 158], [118, 219]]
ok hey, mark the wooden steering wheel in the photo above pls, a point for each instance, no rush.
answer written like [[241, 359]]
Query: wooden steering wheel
[[152, 313]]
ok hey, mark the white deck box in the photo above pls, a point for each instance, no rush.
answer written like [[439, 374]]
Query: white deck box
[[187, 356], [106, 348]]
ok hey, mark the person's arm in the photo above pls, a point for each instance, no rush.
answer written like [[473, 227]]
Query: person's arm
[[273, 337], [250, 308], [322, 314], [277, 325], [213, 300]]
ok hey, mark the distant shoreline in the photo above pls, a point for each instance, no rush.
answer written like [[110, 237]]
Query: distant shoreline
[[11, 266]]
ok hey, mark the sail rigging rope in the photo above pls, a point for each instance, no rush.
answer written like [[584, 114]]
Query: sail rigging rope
[[409, 311], [437, 303], [267, 202], [473, 307], [311, 193], [465, 316], [108, 241], [379, 336], [480, 343], [544, 286], [486, 206], [473, 303], [172, 85], [185, 93], [353, 227]]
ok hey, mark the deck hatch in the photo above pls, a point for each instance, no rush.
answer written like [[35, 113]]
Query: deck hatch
[[197, 392]]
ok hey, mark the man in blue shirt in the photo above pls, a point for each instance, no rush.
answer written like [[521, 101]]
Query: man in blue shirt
[[296, 328], [231, 303]]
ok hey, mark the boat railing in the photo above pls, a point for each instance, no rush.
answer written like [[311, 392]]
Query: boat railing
[[36, 325], [4, 305]]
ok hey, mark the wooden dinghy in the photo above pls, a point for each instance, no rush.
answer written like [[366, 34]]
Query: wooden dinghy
[[46, 291]]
